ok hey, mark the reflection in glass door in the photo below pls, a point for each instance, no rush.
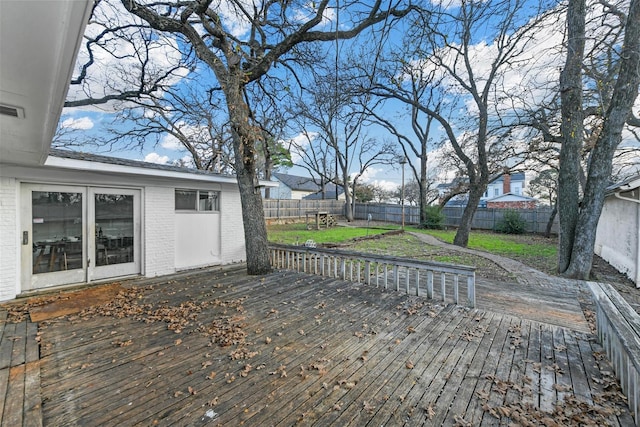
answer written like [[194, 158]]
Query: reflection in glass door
[[56, 219], [114, 231], [75, 234]]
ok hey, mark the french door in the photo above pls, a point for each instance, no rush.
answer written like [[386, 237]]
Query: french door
[[74, 234]]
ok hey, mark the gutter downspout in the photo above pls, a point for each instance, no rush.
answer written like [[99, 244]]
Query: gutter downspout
[[617, 195]]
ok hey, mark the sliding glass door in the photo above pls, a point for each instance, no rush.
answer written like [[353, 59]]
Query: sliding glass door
[[73, 234]]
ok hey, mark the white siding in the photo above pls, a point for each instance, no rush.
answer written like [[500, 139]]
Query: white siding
[[159, 234], [617, 236], [9, 244], [197, 237], [232, 228]]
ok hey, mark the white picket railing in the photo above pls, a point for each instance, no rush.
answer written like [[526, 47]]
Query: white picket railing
[[618, 329], [413, 276]]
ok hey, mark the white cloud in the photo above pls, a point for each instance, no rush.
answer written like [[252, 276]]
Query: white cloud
[[298, 144], [81, 123], [170, 142], [156, 158]]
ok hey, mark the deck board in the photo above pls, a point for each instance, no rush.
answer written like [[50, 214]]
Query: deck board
[[321, 351]]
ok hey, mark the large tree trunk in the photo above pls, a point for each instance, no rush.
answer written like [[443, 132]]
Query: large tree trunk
[[552, 217], [624, 95], [572, 132], [462, 235], [244, 140]]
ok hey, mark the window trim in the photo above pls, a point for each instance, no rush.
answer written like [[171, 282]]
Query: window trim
[[198, 199]]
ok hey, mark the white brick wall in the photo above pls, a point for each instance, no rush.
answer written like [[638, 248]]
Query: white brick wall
[[9, 264], [232, 229], [159, 233]]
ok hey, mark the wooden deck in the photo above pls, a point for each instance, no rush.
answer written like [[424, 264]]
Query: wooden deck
[[222, 348]]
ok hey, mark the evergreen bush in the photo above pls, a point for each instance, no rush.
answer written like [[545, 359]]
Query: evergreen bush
[[434, 218], [511, 223]]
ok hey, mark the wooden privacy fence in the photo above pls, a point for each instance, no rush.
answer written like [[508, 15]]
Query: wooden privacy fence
[[282, 208], [618, 328], [411, 276], [484, 218]]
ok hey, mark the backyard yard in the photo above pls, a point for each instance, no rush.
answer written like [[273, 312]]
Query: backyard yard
[[532, 250]]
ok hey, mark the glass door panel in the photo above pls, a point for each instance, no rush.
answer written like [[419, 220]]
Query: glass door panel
[[114, 229], [114, 233], [56, 219]]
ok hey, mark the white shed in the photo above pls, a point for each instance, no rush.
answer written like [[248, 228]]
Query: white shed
[[618, 233], [82, 218]]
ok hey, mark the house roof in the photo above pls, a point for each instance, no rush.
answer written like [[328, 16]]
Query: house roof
[[95, 162], [329, 193], [514, 177], [39, 42], [628, 184], [298, 183], [510, 197]]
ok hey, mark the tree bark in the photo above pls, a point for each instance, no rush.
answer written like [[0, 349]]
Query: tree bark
[[552, 217], [624, 95], [572, 131], [243, 137], [462, 235]]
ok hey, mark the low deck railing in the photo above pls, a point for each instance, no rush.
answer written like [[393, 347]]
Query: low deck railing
[[412, 276], [618, 328]]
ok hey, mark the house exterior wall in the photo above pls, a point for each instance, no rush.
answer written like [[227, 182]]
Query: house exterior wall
[[232, 228], [157, 216], [496, 188], [617, 236], [531, 204], [158, 234], [9, 254], [281, 192]]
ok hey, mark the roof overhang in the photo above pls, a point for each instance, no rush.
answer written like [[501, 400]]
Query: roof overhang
[[39, 42]]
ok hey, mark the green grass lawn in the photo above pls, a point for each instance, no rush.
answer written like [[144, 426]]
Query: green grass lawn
[[298, 234], [531, 250], [502, 244]]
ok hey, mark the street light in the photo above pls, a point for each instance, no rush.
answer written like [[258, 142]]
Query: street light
[[403, 161]]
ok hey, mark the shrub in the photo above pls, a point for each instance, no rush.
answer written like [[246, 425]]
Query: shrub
[[434, 218], [511, 223]]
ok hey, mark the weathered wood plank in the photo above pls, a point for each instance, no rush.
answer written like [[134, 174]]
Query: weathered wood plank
[[548, 395], [4, 384], [32, 405], [13, 404], [469, 386], [344, 348], [6, 345]]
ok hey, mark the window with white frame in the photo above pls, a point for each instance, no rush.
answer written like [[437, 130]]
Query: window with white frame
[[197, 200]]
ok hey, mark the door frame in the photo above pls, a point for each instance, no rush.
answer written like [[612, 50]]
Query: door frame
[[95, 272], [89, 271], [29, 280]]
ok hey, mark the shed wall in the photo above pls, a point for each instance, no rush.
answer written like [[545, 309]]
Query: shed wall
[[9, 261], [617, 236]]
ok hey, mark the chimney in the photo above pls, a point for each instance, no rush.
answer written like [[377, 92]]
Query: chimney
[[506, 183]]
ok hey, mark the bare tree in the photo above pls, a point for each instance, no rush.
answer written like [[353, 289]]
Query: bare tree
[[332, 116], [240, 44], [451, 72], [578, 220]]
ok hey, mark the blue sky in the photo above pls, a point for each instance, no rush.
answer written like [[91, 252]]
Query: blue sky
[[543, 60]]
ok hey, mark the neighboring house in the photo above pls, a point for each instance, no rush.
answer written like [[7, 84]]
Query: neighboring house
[[618, 233], [292, 186], [329, 193], [511, 201], [508, 184], [71, 218]]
